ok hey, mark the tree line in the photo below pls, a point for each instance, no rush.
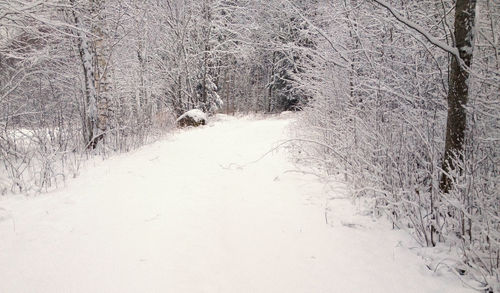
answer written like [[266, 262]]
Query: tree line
[[85, 77]]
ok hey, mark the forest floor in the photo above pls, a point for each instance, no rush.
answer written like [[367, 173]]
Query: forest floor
[[191, 214]]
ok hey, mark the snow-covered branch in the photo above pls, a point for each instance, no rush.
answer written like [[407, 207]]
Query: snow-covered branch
[[422, 31]]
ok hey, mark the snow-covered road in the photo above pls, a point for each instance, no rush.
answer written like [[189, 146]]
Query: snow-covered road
[[186, 214]]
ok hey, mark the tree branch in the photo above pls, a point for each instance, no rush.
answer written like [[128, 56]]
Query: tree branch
[[433, 40]]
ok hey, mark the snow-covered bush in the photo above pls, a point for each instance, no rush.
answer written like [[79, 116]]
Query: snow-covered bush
[[378, 118]]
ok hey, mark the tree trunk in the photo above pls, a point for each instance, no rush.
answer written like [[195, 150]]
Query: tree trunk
[[458, 92], [102, 80], [90, 119]]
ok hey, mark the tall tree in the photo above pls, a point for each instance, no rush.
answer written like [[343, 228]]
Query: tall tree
[[91, 45], [90, 119], [458, 92]]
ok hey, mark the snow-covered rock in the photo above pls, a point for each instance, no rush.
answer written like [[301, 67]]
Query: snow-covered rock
[[193, 117]]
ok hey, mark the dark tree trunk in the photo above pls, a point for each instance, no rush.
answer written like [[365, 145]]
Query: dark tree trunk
[[458, 91]]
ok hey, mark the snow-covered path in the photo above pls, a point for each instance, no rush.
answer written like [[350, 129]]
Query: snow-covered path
[[187, 215]]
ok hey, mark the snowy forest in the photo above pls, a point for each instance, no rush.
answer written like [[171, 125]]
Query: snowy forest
[[398, 99]]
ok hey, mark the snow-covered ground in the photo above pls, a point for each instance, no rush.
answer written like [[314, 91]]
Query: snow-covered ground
[[187, 214]]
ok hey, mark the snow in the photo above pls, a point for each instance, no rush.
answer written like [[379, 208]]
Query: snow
[[190, 214], [196, 114], [286, 114]]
